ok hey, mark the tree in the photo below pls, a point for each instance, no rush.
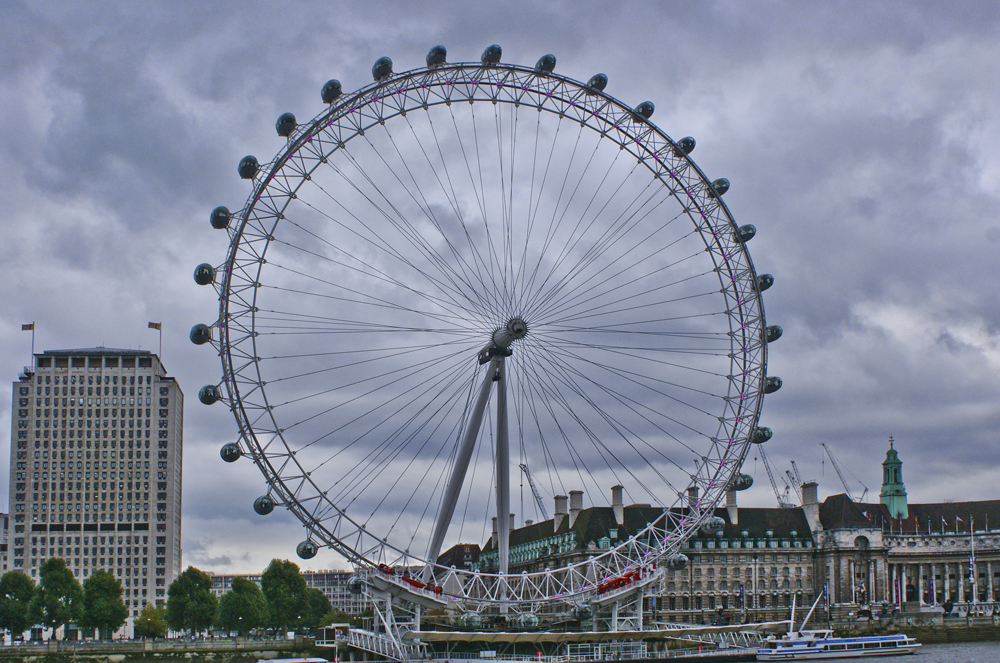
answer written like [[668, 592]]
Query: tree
[[16, 591], [103, 607], [151, 622], [243, 607], [58, 598], [285, 591], [191, 605], [318, 609]]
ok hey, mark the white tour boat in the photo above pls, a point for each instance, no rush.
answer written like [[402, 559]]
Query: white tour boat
[[801, 645]]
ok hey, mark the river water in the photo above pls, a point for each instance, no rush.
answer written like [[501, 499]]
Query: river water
[[971, 652]]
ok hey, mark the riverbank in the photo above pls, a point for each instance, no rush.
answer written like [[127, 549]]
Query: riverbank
[[219, 650]]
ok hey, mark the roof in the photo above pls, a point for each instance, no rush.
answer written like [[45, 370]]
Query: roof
[[937, 517], [92, 351], [839, 512]]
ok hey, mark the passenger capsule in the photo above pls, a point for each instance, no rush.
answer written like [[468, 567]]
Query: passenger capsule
[[545, 65], [773, 333], [382, 68], [742, 482], [355, 585], [200, 334], [285, 125], [718, 188], [713, 525], [583, 613], [248, 167], [437, 56], [492, 54], [263, 505], [307, 549], [746, 233], [598, 82], [231, 452], [220, 218], [772, 385], [645, 110], [209, 394], [527, 620], [204, 274], [686, 144], [677, 562], [471, 620], [761, 435], [764, 281], [331, 91]]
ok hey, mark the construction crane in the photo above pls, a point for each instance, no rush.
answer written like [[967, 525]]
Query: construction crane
[[840, 473], [783, 501], [794, 484], [795, 471], [534, 491]]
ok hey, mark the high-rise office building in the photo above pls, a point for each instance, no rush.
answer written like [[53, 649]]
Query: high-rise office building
[[95, 469]]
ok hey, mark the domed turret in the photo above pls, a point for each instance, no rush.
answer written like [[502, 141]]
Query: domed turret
[[248, 167], [219, 218], [331, 91], [209, 394], [437, 56], [285, 125], [307, 549], [231, 452], [204, 274], [263, 505]]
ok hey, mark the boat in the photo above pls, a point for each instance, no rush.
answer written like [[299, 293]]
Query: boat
[[803, 645], [821, 643]]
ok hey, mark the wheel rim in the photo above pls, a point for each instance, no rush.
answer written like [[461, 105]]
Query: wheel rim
[[641, 358]]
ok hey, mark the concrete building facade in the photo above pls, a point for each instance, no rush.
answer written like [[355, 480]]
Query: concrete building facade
[[95, 469]]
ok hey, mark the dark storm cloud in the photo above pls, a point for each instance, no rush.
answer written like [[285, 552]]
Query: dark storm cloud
[[861, 140]]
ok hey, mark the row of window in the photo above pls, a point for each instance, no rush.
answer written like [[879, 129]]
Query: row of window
[[92, 379]]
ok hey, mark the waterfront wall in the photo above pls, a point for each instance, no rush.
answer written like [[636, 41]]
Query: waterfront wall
[[163, 651]]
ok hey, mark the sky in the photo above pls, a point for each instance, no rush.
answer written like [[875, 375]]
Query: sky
[[861, 140]]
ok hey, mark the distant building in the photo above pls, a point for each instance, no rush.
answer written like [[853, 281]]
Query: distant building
[[332, 583], [95, 468], [461, 555], [867, 560]]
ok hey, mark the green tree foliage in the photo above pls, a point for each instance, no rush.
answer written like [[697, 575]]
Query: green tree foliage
[[319, 610], [243, 607], [191, 605], [58, 598], [16, 592], [103, 607], [151, 622], [285, 591]]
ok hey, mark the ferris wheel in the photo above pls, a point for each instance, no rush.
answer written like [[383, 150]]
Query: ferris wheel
[[467, 268]]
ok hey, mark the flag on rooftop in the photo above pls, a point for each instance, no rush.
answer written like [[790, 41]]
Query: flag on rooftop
[[28, 327], [155, 325]]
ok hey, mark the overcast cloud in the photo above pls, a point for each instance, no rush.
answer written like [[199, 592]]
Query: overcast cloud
[[862, 140]]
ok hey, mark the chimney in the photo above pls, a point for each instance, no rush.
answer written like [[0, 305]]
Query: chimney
[[511, 523], [617, 506], [731, 505], [529, 522], [575, 505], [495, 540], [692, 496], [560, 513], [810, 505]]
